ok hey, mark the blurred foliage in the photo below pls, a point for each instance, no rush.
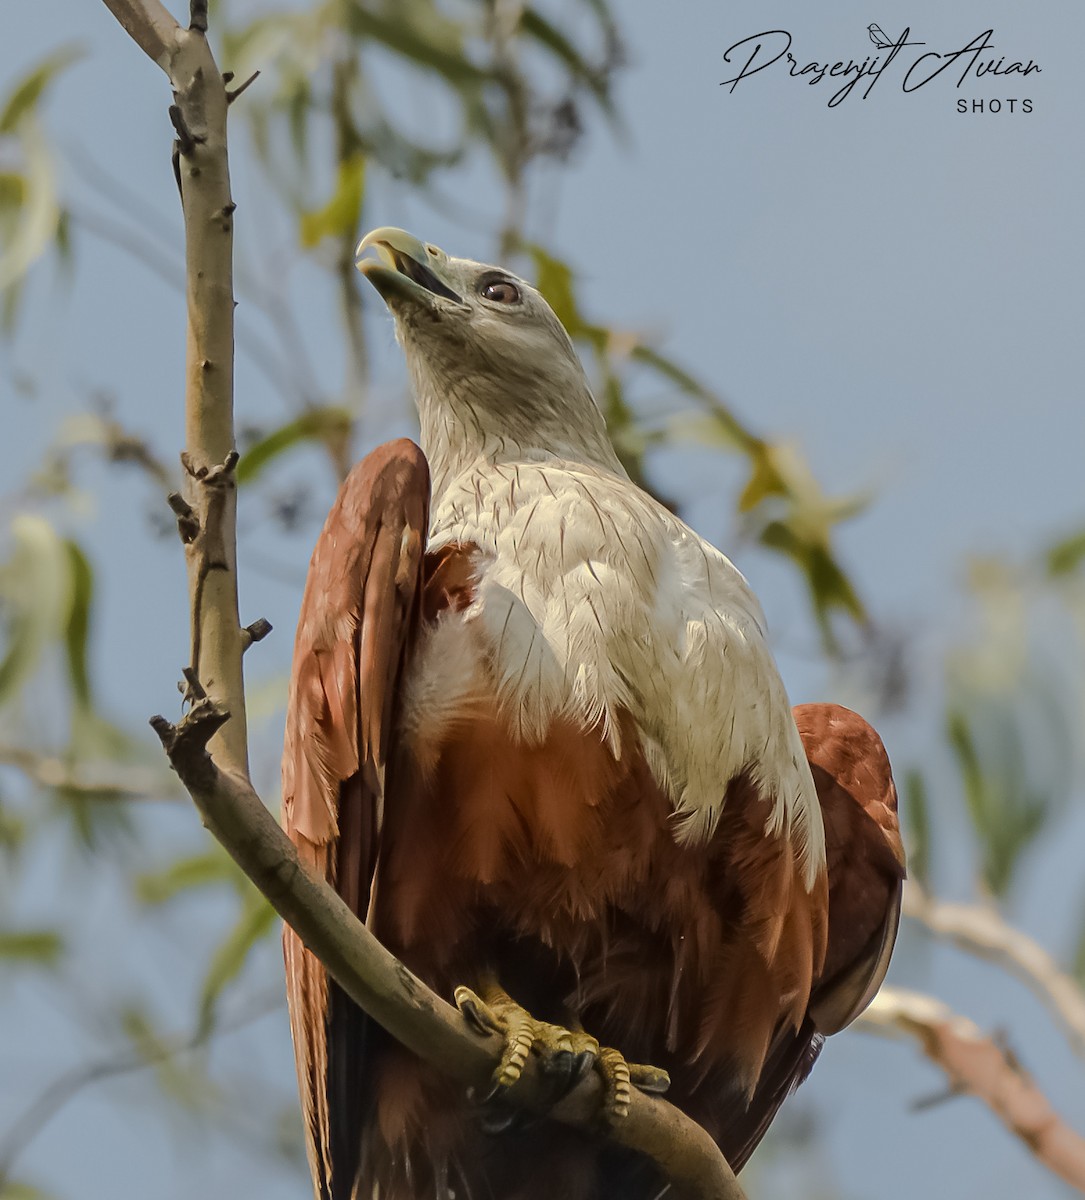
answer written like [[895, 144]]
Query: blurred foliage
[[42, 947], [1013, 711], [514, 86], [32, 217]]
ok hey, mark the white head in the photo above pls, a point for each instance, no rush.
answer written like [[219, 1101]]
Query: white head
[[495, 374]]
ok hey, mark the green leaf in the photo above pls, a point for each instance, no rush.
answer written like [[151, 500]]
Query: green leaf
[[1066, 556], [256, 921], [12, 190], [342, 213], [420, 34], [554, 279], [12, 831], [13, 1189], [197, 871], [35, 586], [77, 625], [29, 230], [41, 947], [1006, 812], [315, 424], [23, 98], [730, 426], [830, 587], [765, 479], [917, 816]]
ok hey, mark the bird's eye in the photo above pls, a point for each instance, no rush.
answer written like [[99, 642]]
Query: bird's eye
[[500, 291]]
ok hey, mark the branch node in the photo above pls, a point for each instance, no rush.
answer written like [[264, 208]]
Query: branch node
[[220, 475], [232, 96], [256, 632], [194, 691], [188, 524], [187, 141], [197, 15], [185, 743]]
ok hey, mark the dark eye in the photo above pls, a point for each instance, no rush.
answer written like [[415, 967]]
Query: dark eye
[[500, 291]]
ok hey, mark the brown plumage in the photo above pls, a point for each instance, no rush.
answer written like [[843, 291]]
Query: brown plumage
[[555, 865]]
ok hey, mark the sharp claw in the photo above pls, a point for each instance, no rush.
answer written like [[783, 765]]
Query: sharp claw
[[582, 1065], [652, 1080], [478, 1013], [560, 1067], [500, 1118]]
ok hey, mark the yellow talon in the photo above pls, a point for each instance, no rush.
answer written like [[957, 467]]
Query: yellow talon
[[496, 1012]]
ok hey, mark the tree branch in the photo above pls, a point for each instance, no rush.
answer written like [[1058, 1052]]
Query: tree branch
[[395, 998], [151, 26], [982, 931], [978, 1065], [202, 170]]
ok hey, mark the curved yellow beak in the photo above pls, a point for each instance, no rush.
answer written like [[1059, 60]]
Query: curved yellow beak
[[404, 267]]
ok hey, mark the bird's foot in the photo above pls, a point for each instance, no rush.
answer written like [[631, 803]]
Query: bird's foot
[[566, 1055]]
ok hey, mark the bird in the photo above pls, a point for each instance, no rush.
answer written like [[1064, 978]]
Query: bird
[[537, 741]]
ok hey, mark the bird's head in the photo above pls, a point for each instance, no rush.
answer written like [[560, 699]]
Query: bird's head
[[494, 372]]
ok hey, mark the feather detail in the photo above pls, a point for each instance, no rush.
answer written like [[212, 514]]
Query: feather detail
[[358, 616]]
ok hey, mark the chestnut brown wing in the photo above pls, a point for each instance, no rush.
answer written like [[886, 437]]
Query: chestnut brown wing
[[865, 864], [359, 615], [864, 857]]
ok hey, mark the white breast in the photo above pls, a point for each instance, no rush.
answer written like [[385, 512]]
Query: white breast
[[594, 599]]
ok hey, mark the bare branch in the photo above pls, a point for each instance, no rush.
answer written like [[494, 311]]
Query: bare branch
[[199, 116], [389, 993], [982, 931], [151, 26], [976, 1064]]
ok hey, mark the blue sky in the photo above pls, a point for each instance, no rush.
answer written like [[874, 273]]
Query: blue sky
[[893, 284]]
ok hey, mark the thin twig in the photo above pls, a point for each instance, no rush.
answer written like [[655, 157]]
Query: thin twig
[[976, 1064], [91, 779], [56, 1095], [981, 930]]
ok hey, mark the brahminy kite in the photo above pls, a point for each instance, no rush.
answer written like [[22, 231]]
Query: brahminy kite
[[537, 741]]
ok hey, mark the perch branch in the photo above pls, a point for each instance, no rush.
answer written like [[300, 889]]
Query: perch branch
[[982, 931], [977, 1065], [389, 993]]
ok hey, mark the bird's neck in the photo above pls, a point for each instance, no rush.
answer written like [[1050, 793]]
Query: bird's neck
[[459, 438]]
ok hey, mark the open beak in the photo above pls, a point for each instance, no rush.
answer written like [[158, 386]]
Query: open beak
[[403, 269]]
